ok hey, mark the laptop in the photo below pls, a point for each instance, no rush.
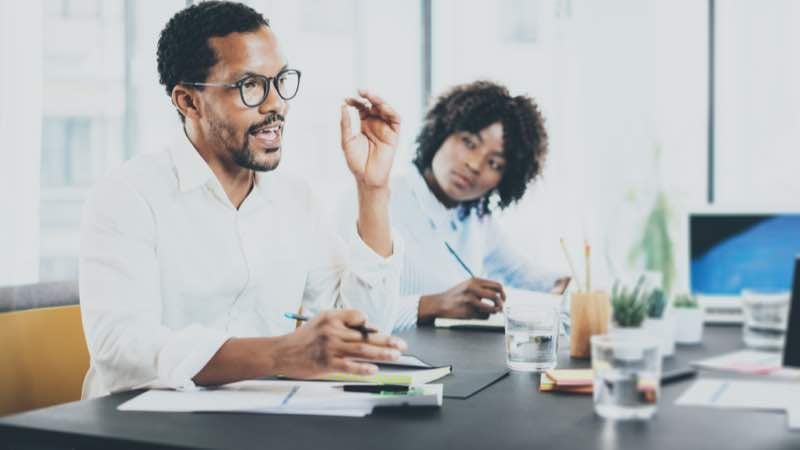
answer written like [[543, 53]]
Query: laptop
[[730, 251], [791, 350]]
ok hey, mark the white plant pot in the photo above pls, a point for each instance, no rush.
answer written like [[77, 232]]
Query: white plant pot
[[689, 325], [631, 333], [662, 329]]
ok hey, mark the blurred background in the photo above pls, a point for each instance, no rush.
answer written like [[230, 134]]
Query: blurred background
[[653, 107]]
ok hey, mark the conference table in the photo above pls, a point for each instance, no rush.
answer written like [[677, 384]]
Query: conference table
[[508, 414]]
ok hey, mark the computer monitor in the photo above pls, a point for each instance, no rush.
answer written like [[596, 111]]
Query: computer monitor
[[731, 251], [791, 350]]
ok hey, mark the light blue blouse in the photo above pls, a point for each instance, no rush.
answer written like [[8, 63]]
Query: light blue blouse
[[425, 225]]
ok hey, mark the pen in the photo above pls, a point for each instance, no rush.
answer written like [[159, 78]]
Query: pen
[[677, 375], [458, 258], [569, 262], [374, 388], [587, 254], [363, 329]]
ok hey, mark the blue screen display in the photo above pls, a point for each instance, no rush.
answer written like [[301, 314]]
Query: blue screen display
[[734, 252]]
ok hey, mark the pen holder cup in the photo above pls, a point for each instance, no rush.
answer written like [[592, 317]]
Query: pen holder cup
[[590, 314]]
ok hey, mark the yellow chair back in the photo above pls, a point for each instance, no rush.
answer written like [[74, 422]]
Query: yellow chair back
[[43, 358]]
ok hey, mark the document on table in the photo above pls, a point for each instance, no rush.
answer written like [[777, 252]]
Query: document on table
[[720, 393], [742, 394], [280, 397], [743, 361], [793, 418]]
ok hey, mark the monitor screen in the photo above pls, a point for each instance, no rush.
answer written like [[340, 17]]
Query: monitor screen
[[731, 252], [791, 351]]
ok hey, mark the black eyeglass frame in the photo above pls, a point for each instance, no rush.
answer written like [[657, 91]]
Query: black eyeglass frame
[[269, 81]]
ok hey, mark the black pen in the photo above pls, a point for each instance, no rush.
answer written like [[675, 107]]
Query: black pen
[[677, 375], [374, 388], [363, 329]]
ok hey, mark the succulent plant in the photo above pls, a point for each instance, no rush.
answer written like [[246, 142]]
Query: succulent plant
[[630, 306], [685, 301], [656, 303]]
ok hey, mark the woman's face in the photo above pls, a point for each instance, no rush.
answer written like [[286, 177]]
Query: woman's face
[[469, 165]]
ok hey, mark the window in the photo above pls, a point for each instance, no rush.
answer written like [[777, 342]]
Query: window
[[90, 118], [625, 115], [758, 103], [103, 103]]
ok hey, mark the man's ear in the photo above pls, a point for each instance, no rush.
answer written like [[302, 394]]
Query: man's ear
[[186, 101]]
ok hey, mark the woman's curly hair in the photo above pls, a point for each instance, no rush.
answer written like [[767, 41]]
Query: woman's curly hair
[[184, 53], [473, 107]]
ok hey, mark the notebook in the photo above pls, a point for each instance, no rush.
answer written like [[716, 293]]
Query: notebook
[[392, 374]]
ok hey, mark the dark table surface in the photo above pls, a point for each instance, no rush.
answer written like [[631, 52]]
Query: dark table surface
[[507, 415]]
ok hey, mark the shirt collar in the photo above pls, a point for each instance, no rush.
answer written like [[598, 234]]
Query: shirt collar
[[191, 168], [440, 216]]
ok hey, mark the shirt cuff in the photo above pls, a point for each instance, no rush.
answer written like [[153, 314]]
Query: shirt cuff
[[371, 267], [185, 355]]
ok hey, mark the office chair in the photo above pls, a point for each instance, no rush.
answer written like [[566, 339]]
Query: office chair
[[43, 358]]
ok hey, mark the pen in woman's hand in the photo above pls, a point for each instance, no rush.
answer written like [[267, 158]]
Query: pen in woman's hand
[[362, 328]]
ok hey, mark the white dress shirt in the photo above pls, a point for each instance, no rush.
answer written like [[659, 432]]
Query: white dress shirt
[[170, 269], [425, 224]]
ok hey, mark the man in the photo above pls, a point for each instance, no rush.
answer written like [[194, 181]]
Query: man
[[190, 257]]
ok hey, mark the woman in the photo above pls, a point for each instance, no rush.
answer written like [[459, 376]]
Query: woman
[[478, 150]]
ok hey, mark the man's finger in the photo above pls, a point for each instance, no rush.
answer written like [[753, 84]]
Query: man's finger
[[345, 126], [361, 105], [349, 366], [362, 350], [383, 340], [386, 111]]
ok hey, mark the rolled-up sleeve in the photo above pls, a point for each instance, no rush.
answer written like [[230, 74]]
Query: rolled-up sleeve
[[351, 275], [121, 302]]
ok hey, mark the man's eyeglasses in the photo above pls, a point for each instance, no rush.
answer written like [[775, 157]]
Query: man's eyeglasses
[[254, 89]]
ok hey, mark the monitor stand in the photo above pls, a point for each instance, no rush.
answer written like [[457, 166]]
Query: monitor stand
[[720, 309]]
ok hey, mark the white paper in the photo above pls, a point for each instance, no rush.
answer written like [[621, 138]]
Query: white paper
[[743, 361], [793, 418], [229, 399], [741, 394], [279, 397]]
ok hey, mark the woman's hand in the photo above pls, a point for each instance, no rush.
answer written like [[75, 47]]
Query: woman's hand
[[463, 301]]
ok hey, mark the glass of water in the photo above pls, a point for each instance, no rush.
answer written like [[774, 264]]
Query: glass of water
[[532, 336], [627, 375], [766, 317]]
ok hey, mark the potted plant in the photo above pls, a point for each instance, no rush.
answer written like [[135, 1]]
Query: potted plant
[[659, 324], [629, 308], [688, 318]]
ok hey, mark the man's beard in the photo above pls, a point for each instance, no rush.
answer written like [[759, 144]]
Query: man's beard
[[242, 154]]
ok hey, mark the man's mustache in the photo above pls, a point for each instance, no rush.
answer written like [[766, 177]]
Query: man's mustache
[[273, 117]]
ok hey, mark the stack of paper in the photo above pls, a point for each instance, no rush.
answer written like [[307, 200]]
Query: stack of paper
[[576, 381], [745, 394], [281, 397], [743, 361]]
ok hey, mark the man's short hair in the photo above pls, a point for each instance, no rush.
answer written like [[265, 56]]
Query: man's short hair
[[184, 52], [473, 107]]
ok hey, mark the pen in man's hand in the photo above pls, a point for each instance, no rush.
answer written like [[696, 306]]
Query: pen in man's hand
[[362, 328]]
